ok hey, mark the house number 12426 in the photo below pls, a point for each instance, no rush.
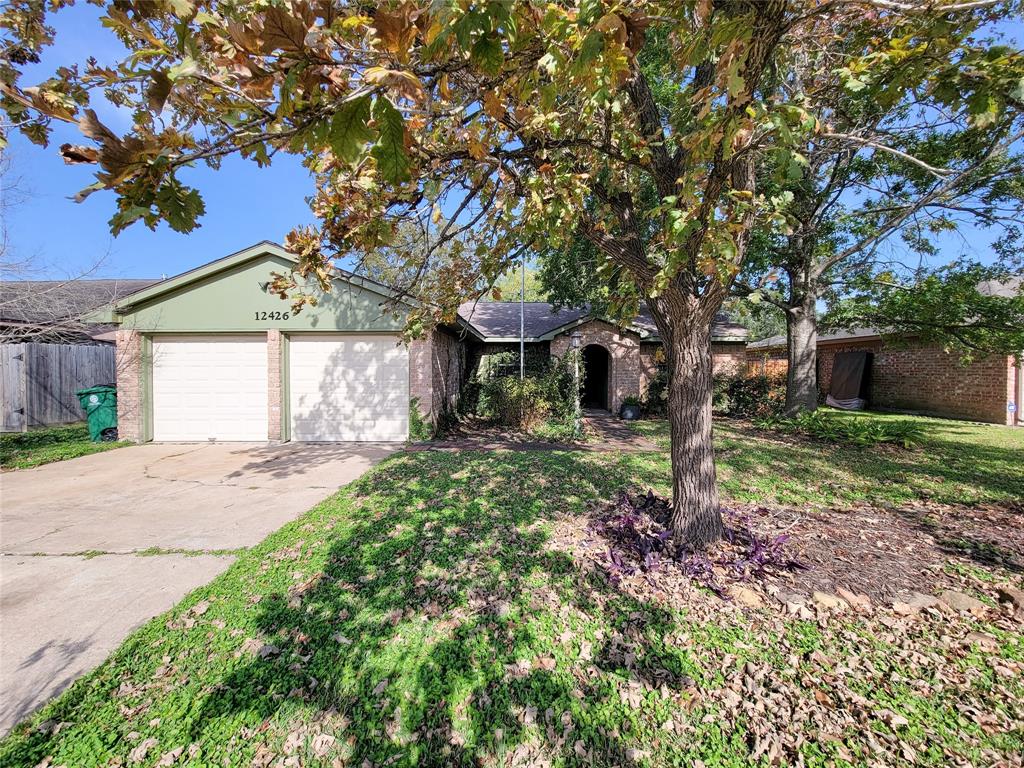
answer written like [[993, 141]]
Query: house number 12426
[[272, 315]]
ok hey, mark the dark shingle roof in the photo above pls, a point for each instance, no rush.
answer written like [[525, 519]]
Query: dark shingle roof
[[500, 320], [47, 301], [780, 341]]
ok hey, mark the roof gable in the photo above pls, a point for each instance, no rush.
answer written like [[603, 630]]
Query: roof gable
[[261, 250], [232, 295]]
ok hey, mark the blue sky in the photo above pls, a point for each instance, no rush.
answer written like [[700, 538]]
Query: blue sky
[[244, 203]]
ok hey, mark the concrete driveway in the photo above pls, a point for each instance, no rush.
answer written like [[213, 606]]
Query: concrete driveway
[[73, 580]]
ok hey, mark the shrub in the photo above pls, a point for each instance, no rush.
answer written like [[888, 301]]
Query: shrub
[[655, 402], [550, 390], [514, 402], [420, 429], [756, 397], [831, 428]]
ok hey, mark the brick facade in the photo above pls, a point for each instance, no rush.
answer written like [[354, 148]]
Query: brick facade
[[625, 370], [129, 385], [437, 366], [274, 404], [917, 377], [635, 363], [728, 358]]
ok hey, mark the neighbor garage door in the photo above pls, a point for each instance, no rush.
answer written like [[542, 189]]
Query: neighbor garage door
[[210, 387], [348, 388]]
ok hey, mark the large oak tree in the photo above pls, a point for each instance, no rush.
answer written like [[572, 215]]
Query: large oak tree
[[642, 127]]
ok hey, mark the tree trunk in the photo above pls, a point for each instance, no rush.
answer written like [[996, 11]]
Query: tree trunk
[[802, 375], [696, 516]]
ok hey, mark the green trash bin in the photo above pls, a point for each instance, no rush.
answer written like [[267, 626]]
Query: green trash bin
[[100, 406]]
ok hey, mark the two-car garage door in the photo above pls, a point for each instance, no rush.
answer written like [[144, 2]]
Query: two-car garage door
[[342, 388]]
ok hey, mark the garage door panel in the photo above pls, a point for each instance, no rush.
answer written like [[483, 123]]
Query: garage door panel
[[349, 388], [210, 387]]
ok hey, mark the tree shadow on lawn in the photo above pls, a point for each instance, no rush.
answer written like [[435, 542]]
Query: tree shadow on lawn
[[427, 621], [974, 472], [443, 631]]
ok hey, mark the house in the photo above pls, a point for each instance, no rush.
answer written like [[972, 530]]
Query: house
[[910, 375], [212, 354], [619, 361]]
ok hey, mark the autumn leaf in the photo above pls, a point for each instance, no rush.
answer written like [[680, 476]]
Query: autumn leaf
[[283, 30], [400, 81], [158, 91], [74, 154], [395, 32], [487, 55]]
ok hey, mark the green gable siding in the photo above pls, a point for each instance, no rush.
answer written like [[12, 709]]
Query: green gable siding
[[235, 300]]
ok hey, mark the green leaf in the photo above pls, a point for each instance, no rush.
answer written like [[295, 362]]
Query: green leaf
[[180, 206], [349, 130], [487, 55], [184, 68], [124, 219], [389, 151]]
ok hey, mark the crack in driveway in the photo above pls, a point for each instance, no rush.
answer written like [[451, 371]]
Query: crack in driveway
[[147, 552]]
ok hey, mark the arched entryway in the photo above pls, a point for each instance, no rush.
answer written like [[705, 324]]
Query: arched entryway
[[596, 367]]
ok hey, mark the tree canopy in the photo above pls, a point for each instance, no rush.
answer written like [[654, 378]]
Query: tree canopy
[[662, 134]]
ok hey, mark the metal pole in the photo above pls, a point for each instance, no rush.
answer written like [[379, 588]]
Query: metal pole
[[576, 383], [522, 323]]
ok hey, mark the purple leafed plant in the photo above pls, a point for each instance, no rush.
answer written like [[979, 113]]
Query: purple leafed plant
[[639, 539]]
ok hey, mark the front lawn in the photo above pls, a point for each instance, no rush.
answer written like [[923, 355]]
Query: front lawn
[[959, 462], [22, 450], [454, 608]]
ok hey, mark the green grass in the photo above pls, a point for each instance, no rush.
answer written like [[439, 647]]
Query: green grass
[[22, 450], [426, 616], [959, 462]]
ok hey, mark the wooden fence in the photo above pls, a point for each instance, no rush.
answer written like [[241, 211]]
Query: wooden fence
[[38, 381]]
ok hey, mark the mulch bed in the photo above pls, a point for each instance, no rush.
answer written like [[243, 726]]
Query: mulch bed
[[883, 553]]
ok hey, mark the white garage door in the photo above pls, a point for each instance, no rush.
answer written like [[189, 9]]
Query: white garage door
[[348, 388], [210, 387]]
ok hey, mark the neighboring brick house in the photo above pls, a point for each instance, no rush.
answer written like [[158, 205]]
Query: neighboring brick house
[[908, 375], [620, 361]]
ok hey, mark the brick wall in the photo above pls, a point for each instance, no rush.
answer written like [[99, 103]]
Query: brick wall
[[772, 362], [624, 350], [274, 384], [917, 377], [728, 357], [648, 364], [421, 380], [128, 347], [437, 366], [448, 362]]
